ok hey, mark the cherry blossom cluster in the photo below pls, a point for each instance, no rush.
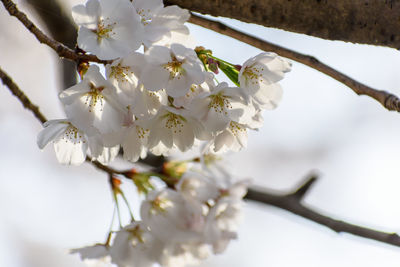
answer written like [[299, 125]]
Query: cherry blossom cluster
[[159, 94], [177, 227], [162, 99]]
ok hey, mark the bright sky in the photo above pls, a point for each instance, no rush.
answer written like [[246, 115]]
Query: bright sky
[[320, 125]]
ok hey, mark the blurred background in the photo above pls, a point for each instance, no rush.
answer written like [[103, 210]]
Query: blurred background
[[352, 142]]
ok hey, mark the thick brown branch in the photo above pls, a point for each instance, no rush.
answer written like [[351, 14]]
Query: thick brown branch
[[7, 81], [61, 50], [389, 101], [373, 22], [292, 203]]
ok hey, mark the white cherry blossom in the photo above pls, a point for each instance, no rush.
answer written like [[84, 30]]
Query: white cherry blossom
[[124, 73], [194, 92], [174, 127], [92, 105], [108, 28], [184, 254], [172, 218], [134, 138], [100, 151], [70, 143], [261, 71], [174, 69], [134, 246], [234, 138], [268, 97], [218, 107], [197, 186], [161, 23], [146, 104]]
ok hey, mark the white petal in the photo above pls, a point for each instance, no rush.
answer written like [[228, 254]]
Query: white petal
[[216, 120], [53, 129], [108, 154], [184, 138], [178, 86], [133, 145], [86, 17], [154, 78], [269, 96], [71, 147], [91, 252], [223, 139]]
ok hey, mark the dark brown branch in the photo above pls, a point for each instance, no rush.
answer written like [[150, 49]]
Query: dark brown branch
[[292, 203], [388, 100], [7, 81], [61, 50], [303, 189], [374, 22]]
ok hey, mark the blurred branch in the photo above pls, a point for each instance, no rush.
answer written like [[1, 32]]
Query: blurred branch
[[7, 81], [61, 49], [62, 29], [374, 22], [292, 202], [388, 100]]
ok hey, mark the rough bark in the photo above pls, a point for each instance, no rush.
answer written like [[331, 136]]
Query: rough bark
[[375, 22]]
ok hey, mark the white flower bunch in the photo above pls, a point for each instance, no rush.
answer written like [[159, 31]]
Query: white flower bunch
[[178, 227], [165, 98]]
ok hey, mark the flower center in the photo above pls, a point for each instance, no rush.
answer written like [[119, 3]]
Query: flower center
[[253, 73], [136, 236], [73, 135], [94, 97], [141, 132], [160, 204], [104, 30], [236, 128], [174, 122], [175, 68], [145, 16], [220, 103], [120, 73]]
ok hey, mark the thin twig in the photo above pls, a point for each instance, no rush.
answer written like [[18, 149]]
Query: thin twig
[[7, 81], [388, 100], [290, 202], [102, 167], [61, 50]]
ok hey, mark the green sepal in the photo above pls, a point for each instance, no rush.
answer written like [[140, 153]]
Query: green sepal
[[142, 182], [230, 71]]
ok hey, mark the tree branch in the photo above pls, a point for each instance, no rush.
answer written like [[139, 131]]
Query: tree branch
[[292, 203], [373, 22], [7, 81], [388, 100], [61, 50]]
